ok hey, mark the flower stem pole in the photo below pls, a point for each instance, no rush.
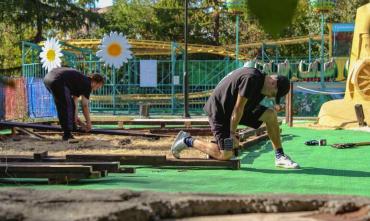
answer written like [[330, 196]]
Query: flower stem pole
[[186, 77], [322, 80], [237, 39], [114, 90]]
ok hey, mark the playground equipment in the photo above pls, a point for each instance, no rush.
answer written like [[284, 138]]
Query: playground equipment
[[341, 113], [148, 47], [340, 39]]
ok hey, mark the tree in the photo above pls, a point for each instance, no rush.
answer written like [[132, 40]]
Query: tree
[[62, 15]]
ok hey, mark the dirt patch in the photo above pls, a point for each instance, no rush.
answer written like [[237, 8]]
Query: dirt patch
[[114, 205], [359, 214], [94, 144]]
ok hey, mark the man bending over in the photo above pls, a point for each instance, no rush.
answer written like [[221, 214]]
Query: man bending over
[[67, 85], [236, 100]]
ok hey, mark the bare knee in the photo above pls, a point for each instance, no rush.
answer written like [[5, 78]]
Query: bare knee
[[269, 116], [225, 155]]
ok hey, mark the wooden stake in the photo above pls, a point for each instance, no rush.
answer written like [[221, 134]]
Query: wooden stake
[[360, 115], [290, 105]]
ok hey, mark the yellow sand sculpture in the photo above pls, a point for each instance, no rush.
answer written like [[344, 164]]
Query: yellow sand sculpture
[[341, 113]]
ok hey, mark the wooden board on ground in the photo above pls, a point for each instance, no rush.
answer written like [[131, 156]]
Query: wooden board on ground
[[230, 164], [93, 131], [55, 173], [245, 134], [122, 158], [254, 140], [111, 167], [193, 131], [154, 160]]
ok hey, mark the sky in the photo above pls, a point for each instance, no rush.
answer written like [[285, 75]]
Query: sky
[[103, 3]]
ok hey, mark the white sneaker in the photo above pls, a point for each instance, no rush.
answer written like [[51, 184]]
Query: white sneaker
[[286, 162], [178, 144]]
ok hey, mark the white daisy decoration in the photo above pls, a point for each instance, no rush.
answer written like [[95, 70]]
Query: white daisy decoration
[[114, 50], [51, 53]]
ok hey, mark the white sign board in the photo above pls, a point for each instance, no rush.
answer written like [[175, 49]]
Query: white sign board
[[148, 73]]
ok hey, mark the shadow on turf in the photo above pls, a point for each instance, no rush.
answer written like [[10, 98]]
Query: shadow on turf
[[43, 182], [253, 152], [312, 171]]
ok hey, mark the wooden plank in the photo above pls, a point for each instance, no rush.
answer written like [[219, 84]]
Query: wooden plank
[[111, 167], [153, 160], [30, 133], [122, 158], [68, 178], [245, 134], [54, 173], [8, 168], [16, 158], [231, 164], [360, 115], [93, 131], [127, 170], [50, 175], [192, 131], [254, 140], [40, 156], [289, 107]]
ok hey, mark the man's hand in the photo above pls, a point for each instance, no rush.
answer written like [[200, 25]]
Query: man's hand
[[278, 107], [88, 126], [78, 121]]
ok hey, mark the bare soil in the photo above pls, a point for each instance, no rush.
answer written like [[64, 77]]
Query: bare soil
[[93, 144]]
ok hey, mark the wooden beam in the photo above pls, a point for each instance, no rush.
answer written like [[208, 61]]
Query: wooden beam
[[16, 158], [254, 140], [30, 133], [289, 106], [360, 115], [230, 164], [245, 134], [193, 131], [7, 168], [111, 167], [122, 158], [54, 173], [127, 170], [154, 160], [40, 156], [93, 131]]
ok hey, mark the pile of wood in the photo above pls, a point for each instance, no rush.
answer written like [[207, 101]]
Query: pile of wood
[[73, 167], [56, 169]]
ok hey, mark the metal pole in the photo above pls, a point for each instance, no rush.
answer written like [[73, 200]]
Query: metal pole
[[309, 50], [186, 80], [23, 58], [173, 69], [237, 40], [114, 90], [322, 53]]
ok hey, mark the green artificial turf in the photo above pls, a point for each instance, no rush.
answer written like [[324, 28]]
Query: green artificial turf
[[325, 170]]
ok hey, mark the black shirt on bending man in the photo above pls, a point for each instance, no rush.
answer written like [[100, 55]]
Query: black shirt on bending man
[[247, 82], [75, 81]]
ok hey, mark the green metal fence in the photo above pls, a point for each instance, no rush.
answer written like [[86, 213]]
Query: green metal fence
[[122, 93]]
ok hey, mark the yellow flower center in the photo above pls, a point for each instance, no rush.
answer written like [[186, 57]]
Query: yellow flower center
[[50, 55], [114, 49]]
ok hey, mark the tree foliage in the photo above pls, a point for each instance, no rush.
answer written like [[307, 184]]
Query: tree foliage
[[210, 22], [34, 20]]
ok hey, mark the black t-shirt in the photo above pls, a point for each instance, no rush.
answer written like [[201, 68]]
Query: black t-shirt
[[74, 80], [247, 82]]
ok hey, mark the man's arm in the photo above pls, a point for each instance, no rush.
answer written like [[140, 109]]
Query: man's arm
[[86, 112], [75, 99], [237, 113], [235, 118]]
